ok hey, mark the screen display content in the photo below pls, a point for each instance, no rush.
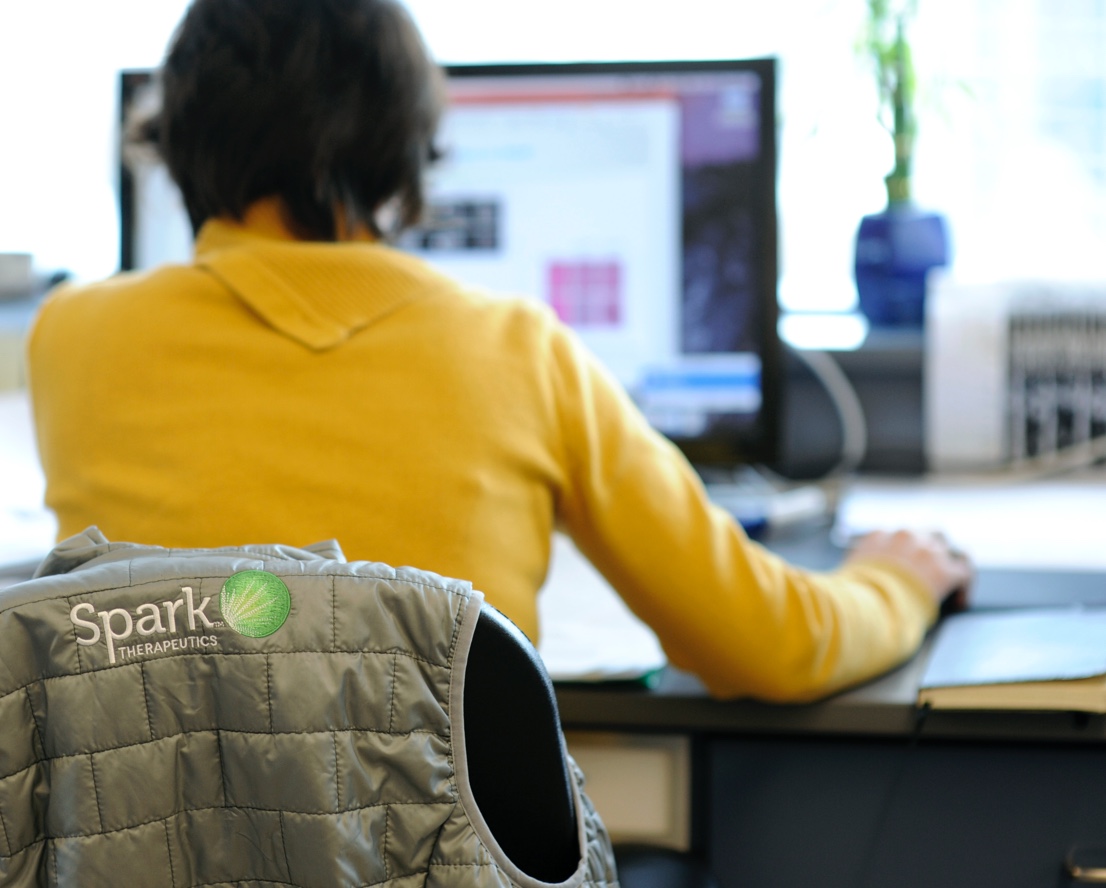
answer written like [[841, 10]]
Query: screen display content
[[636, 199]]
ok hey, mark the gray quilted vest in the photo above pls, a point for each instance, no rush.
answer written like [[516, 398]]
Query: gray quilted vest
[[254, 716]]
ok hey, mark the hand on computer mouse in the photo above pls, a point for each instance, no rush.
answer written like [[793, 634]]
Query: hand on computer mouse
[[946, 571]]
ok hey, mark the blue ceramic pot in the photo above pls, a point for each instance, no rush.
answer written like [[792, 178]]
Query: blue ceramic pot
[[895, 250]]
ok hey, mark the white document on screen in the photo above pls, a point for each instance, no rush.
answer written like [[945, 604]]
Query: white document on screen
[[574, 203]]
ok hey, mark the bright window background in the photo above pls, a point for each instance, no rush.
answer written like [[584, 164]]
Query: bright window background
[[1012, 145]]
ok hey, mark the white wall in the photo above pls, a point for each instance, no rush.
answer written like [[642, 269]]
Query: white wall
[[1016, 199], [59, 64]]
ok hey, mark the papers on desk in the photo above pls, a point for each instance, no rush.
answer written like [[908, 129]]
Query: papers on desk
[[1039, 524], [27, 528], [1038, 659], [587, 633]]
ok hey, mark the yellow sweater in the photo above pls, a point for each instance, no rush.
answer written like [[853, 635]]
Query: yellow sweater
[[284, 391]]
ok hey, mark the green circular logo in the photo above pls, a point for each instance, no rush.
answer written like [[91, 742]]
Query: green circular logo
[[255, 603]]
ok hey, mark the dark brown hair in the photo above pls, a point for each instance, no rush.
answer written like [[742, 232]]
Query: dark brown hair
[[330, 104]]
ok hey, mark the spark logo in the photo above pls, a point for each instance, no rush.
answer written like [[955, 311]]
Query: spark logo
[[254, 603]]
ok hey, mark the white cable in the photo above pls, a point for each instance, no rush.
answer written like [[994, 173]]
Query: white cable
[[846, 403]]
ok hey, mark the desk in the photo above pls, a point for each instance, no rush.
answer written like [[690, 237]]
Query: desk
[[858, 791]]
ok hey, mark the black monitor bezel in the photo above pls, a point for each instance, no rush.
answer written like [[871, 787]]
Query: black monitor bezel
[[761, 444], [130, 83]]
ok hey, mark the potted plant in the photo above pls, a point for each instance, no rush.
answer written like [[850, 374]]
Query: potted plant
[[897, 247]]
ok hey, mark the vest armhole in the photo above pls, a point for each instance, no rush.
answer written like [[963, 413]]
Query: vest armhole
[[515, 754]]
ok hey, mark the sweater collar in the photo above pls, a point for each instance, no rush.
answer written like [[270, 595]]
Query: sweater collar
[[316, 293]]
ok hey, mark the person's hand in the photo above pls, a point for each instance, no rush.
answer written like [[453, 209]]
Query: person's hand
[[946, 572]]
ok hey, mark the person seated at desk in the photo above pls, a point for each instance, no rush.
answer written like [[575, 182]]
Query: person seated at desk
[[303, 380]]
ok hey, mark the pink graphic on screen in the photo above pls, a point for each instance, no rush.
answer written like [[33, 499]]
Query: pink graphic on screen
[[586, 293]]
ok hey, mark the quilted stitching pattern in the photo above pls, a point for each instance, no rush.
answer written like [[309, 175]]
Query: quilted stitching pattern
[[315, 704], [144, 742]]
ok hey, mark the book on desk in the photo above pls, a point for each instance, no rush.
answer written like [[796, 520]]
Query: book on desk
[[1034, 659]]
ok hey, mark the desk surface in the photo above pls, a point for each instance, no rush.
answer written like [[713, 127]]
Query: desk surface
[[884, 707]]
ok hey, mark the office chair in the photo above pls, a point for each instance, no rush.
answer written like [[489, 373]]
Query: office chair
[[279, 716], [100, 744]]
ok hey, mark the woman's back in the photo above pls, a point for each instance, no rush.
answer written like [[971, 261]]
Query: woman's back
[[294, 391]]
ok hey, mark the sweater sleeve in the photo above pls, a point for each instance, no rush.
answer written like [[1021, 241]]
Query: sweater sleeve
[[723, 607]]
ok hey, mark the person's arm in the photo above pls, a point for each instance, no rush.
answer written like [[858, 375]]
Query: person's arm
[[742, 619]]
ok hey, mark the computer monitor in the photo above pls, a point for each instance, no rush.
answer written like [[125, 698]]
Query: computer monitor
[[637, 199]]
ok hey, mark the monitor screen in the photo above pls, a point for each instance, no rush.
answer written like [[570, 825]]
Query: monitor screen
[[638, 200]]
